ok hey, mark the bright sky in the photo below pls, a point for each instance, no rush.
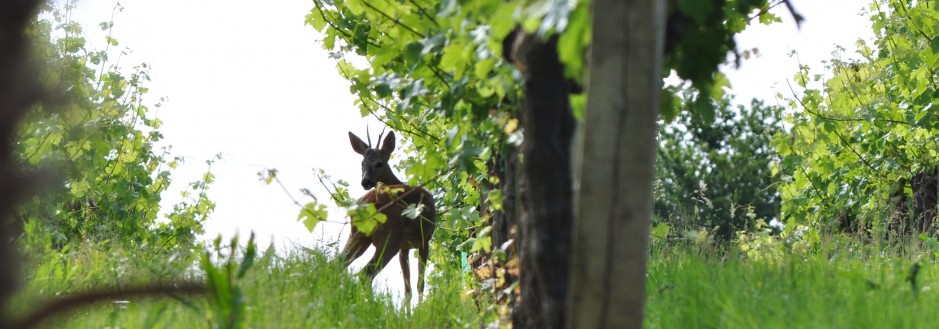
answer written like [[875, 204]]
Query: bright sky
[[249, 80]]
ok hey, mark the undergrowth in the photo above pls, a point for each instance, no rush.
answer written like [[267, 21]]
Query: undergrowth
[[840, 283], [299, 288], [833, 282]]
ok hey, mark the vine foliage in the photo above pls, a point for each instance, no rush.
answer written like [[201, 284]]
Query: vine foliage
[[101, 141], [861, 134]]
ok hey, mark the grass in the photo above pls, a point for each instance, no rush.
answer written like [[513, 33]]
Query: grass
[[844, 285], [839, 284], [302, 289]]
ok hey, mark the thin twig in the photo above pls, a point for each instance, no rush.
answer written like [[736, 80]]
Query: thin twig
[[843, 140], [823, 117], [365, 100], [422, 11], [848, 145], [402, 195], [331, 193], [389, 110], [395, 20], [765, 10], [333, 25]]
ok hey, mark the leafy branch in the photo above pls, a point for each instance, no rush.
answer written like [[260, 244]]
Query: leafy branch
[[824, 117], [364, 99], [395, 20], [424, 12], [344, 33]]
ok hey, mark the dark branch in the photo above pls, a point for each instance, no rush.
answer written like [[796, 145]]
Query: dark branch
[[72, 302], [859, 156], [795, 15]]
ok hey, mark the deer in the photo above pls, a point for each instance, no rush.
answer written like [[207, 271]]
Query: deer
[[399, 233]]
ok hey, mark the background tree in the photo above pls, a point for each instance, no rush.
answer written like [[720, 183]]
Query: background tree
[[718, 174]]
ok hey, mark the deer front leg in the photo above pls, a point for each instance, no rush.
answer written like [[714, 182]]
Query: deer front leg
[[406, 273], [356, 246]]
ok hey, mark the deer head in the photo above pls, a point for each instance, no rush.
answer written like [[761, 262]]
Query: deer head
[[375, 167]]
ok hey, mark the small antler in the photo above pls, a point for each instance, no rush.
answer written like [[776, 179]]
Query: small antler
[[370, 137], [379, 137]]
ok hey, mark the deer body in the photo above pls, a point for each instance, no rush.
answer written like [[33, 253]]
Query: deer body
[[399, 233]]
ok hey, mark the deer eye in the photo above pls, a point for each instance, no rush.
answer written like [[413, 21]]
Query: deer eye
[[378, 165]]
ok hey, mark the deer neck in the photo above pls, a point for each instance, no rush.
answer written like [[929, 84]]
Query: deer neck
[[389, 178]]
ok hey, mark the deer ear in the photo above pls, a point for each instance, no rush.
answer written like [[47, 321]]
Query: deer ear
[[388, 145], [357, 144]]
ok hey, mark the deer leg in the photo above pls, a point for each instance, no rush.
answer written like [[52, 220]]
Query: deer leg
[[380, 259], [423, 253], [356, 246], [406, 272]]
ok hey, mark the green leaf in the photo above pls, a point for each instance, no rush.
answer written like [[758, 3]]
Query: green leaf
[[484, 67], [249, 257], [316, 19], [697, 10], [660, 231], [365, 217], [671, 105], [573, 43], [705, 108], [412, 53], [383, 90], [311, 214], [454, 59], [355, 7], [483, 241], [768, 18]]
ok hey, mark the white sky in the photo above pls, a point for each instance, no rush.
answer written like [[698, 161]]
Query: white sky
[[249, 80]]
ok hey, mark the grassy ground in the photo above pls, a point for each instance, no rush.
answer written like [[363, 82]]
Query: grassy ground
[[304, 289], [842, 284]]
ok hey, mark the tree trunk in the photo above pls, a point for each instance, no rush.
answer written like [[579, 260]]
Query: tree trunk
[[504, 167], [614, 165], [18, 91], [545, 225]]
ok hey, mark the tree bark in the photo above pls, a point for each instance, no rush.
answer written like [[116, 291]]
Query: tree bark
[[504, 167], [614, 165], [18, 91], [545, 225]]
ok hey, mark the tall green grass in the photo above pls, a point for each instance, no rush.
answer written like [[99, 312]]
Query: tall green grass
[[842, 284], [302, 288], [839, 283]]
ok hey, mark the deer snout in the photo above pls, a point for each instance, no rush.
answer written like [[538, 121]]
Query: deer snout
[[368, 183]]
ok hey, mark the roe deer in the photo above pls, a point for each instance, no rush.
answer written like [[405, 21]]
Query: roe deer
[[399, 234]]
